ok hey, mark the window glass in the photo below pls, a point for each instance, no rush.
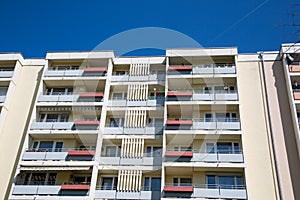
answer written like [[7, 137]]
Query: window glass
[[38, 179], [58, 146], [208, 117], [224, 147], [111, 151], [211, 181], [185, 182], [46, 145], [147, 184], [175, 182], [210, 148], [51, 179], [155, 184], [107, 183], [117, 96], [226, 182]]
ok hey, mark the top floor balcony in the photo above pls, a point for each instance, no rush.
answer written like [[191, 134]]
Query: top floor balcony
[[202, 69]]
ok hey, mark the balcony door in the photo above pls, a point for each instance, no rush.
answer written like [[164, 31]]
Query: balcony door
[[50, 146], [152, 184]]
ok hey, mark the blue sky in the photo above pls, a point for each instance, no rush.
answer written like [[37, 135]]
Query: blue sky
[[36, 27]]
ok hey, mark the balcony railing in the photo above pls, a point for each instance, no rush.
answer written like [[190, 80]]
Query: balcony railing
[[71, 97], [206, 191], [66, 154], [126, 77], [202, 69], [124, 102], [203, 124], [202, 95], [101, 71], [69, 125]]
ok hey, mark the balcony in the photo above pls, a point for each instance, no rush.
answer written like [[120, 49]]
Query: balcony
[[56, 125], [220, 191], [71, 97], [124, 102], [150, 130], [202, 95], [126, 77], [146, 160], [113, 193], [204, 69], [203, 124], [58, 155], [79, 72]]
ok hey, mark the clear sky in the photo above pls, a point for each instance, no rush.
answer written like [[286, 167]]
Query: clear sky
[[36, 27]]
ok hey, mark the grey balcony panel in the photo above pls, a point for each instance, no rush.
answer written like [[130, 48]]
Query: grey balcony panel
[[41, 126], [138, 78], [131, 161], [203, 97], [205, 157], [74, 72], [105, 194], [117, 103], [204, 125], [109, 160], [236, 158], [136, 103], [54, 73], [206, 193], [68, 98], [56, 155], [119, 78], [6, 74], [62, 125], [161, 77], [48, 98], [229, 125], [233, 193], [48, 189], [134, 130], [113, 130], [2, 99], [128, 195], [150, 195], [203, 70], [25, 189], [34, 156], [156, 161], [227, 97], [225, 70], [153, 77], [152, 102], [150, 130]]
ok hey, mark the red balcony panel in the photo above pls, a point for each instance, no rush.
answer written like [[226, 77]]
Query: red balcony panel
[[180, 122], [296, 95], [91, 94], [86, 122], [179, 94], [294, 68], [74, 187], [178, 189], [81, 153], [95, 69], [179, 153], [181, 68]]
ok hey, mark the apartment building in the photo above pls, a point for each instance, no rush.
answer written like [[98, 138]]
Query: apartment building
[[193, 124]]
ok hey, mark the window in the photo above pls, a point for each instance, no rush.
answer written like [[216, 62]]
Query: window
[[109, 183], [51, 146], [120, 73], [207, 90], [223, 147], [182, 181], [55, 117], [182, 148], [226, 117], [208, 117], [112, 151], [152, 184], [153, 151], [82, 179], [40, 179], [154, 122], [116, 122], [61, 68], [224, 181], [59, 91]]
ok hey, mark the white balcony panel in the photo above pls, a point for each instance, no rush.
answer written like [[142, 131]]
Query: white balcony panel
[[136, 103], [203, 97], [113, 130], [54, 73], [205, 157], [25, 189], [233, 193], [48, 189], [202, 70], [225, 70], [109, 160], [128, 195], [62, 125], [152, 161], [131, 161], [2, 99], [206, 193], [34, 156], [6, 74], [228, 125], [74, 72], [227, 97], [119, 78], [234, 158], [117, 103], [41, 125], [48, 98], [138, 78], [204, 125], [106, 194], [134, 131], [56, 155], [68, 98]]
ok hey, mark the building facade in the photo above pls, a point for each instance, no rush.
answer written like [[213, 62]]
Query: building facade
[[193, 124]]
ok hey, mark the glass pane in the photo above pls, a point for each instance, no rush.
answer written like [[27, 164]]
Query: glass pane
[[38, 179], [111, 151], [147, 184], [79, 179], [52, 118], [155, 184], [157, 151], [239, 182], [226, 182], [58, 146], [27, 178], [210, 148], [117, 96], [148, 151], [185, 181], [236, 147], [224, 147], [51, 179], [175, 182], [211, 181], [35, 145], [46, 145], [208, 117], [107, 183]]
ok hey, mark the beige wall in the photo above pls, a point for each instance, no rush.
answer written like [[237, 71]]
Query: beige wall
[[16, 123], [259, 169]]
